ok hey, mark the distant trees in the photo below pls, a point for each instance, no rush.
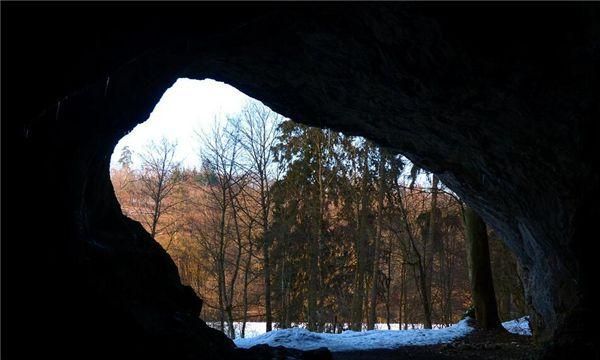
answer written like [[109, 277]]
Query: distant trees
[[364, 256], [286, 223], [123, 180], [125, 159]]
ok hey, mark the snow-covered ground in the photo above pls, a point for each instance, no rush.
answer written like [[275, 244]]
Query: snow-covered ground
[[302, 339], [298, 337], [253, 328], [256, 328], [518, 326]]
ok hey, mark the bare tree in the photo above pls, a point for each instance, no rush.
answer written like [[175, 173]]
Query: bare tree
[[160, 175], [259, 132], [225, 181]]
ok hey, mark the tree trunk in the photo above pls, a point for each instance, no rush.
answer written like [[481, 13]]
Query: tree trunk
[[283, 301], [372, 319], [430, 244], [422, 284], [388, 313], [230, 320], [357, 298], [312, 285], [362, 239], [482, 285], [359, 277], [267, 268], [313, 256], [402, 305], [319, 229], [246, 282], [222, 279], [245, 316], [221, 295], [238, 258]]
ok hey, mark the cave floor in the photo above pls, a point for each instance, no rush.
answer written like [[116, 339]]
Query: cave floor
[[479, 344]]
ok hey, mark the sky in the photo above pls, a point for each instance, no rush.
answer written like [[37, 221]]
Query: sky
[[188, 107]]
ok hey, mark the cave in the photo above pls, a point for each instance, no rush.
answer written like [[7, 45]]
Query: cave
[[500, 101]]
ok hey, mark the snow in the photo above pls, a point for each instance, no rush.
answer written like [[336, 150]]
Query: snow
[[302, 339], [253, 328], [256, 328], [298, 337], [518, 326]]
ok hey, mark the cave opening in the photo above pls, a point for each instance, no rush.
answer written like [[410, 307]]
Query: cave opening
[[212, 171], [503, 112]]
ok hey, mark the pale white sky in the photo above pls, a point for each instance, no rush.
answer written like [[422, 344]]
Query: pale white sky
[[186, 108], [189, 106]]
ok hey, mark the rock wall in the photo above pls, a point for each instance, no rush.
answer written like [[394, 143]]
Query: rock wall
[[500, 101]]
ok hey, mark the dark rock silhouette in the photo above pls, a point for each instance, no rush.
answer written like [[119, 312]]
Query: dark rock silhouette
[[501, 102]]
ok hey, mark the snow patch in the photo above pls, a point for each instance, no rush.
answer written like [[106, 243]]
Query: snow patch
[[302, 339], [256, 328], [518, 326]]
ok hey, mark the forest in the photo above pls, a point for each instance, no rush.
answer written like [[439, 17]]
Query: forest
[[285, 223]]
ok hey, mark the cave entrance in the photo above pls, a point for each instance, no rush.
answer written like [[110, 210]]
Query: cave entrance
[[460, 90], [222, 183]]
